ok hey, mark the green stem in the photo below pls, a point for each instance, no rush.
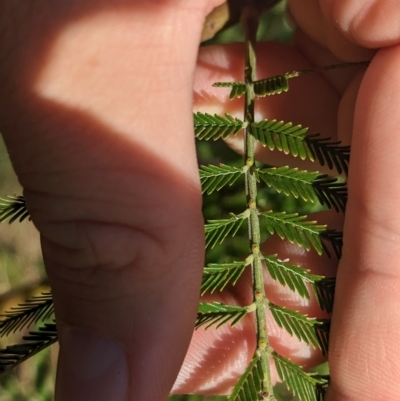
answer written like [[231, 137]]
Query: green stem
[[250, 23]]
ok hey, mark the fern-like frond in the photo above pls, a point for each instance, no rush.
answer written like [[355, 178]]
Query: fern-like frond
[[13, 208], [215, 313], [238, 88], [31, 311], [213, 178], [304, 385], [329, 153], [216, 276], [217, 230], [291, 275], [35, 342], [303, 327], [207, 126], [248, 387], [285, 137], [294, 228], [324, 292], [271, 86]]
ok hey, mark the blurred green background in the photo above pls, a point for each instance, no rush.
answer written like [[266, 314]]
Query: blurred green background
[[22, 272]]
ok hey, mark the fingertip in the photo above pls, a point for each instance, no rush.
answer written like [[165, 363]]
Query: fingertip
[[371, 23]]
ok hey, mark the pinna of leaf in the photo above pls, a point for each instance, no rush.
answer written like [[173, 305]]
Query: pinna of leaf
[[310, 186]]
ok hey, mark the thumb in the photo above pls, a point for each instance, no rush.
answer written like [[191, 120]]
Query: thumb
[[105, 152]]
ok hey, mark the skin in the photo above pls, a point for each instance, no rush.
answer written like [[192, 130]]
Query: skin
[[95, 108]]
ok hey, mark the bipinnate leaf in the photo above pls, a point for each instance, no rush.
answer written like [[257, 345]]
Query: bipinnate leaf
[[305, 386], [13, 208], [215, 313], [32, 311], [303, 327], [213, 178], [294, 228], [248, 387], [217, 230], [36, 341], [293, 276], [216, 276], [207, 126]]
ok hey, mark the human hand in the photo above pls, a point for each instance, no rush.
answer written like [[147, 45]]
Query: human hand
[[68, 114]]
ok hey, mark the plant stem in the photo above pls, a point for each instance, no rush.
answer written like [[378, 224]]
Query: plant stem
[[249, 23]]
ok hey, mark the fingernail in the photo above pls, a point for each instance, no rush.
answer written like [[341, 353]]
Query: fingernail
[[90, 368]]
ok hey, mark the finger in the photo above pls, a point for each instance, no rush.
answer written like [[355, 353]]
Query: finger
[[322, 29], [372, 23], [364, 350], [113, 190]]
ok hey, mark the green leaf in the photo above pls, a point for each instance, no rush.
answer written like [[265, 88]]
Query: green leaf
[[217, 230], [207, 126], [213, 178], [271, 86], [238, 88], [285, 137], [217, 276], [36, 341], [13, 208], [215, 313], [292, 276], [248, 387], [263, 87], [304, 385], [329, 153], [291, 181], [30, 312], [303, 327], [310, 186], [295, 229]]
